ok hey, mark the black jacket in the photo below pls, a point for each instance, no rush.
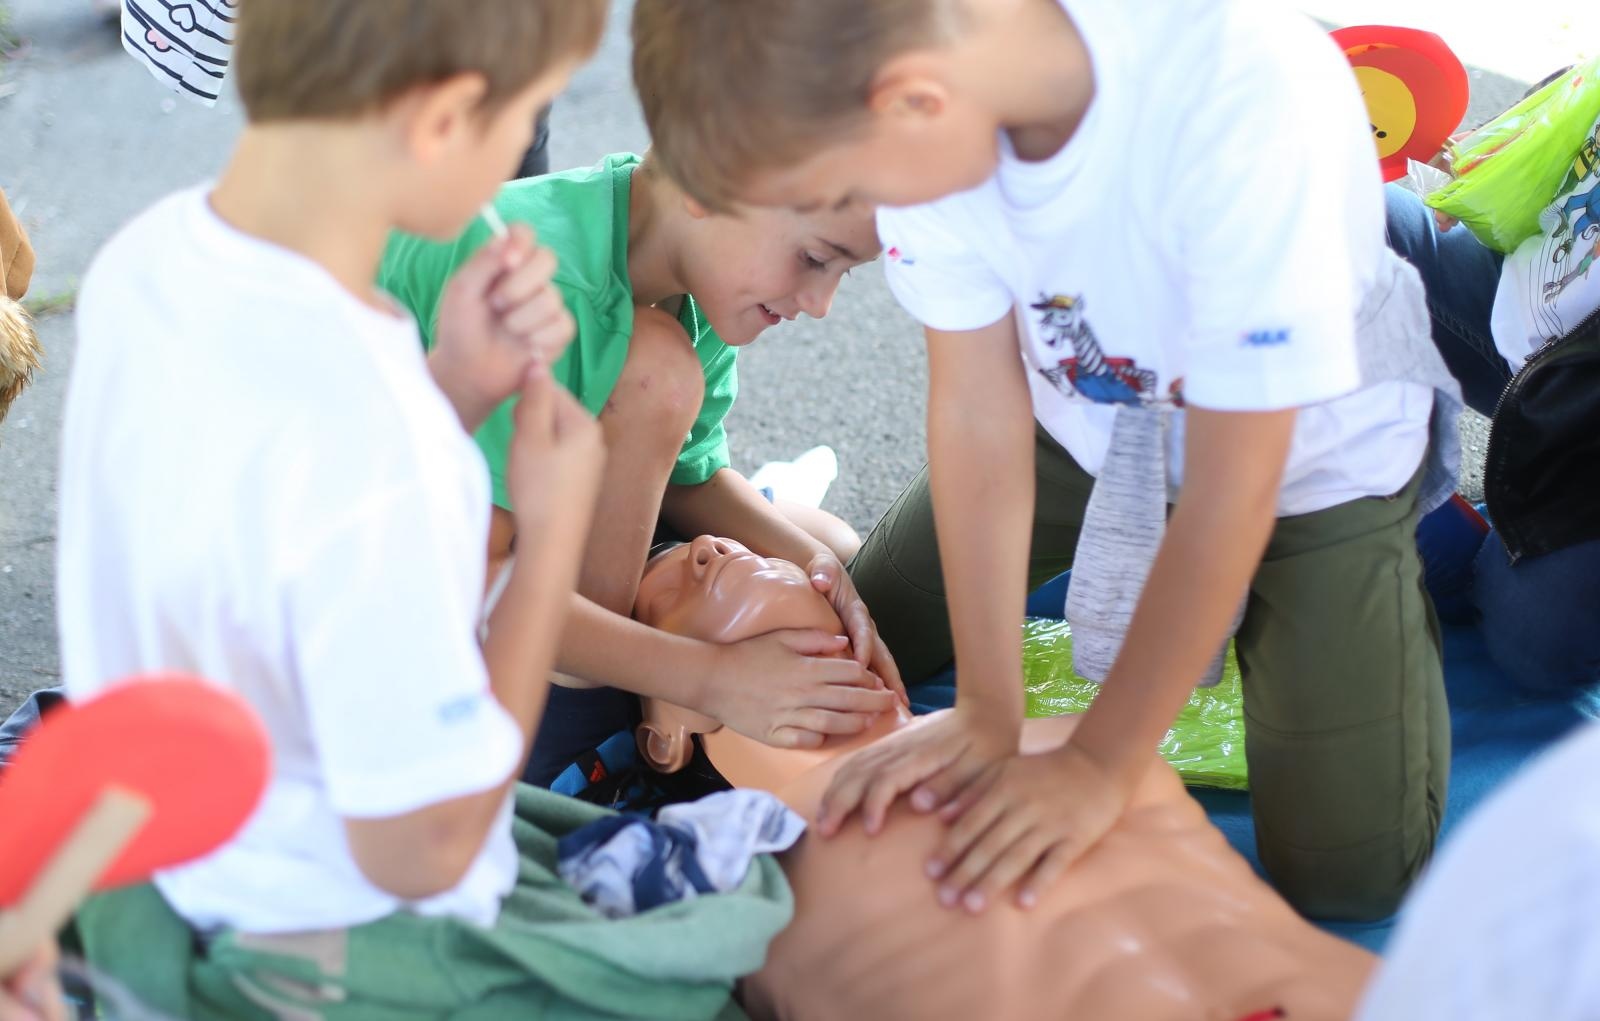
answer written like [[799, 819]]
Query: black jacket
[[1542, 477]]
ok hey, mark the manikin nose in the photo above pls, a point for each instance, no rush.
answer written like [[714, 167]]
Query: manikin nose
[[706, 548]]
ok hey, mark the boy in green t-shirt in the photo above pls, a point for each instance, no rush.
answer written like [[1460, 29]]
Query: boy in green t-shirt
[[663, 295]]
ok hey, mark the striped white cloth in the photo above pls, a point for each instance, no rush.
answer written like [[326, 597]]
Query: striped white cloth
[[185, 43]]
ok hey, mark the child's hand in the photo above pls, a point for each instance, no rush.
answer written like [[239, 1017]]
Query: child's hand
[[829, 577], [936, 759], [33, 993], [499, 312], [801, 697], [556, 456], [1028, 820]]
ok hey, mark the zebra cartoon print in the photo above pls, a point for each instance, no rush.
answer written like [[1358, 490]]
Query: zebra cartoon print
[[1087, 371]]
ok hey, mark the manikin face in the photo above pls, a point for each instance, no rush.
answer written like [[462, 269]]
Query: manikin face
[[755, 268], [716, 590]]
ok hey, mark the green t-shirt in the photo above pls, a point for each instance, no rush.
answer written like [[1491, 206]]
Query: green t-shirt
[[582, 216]]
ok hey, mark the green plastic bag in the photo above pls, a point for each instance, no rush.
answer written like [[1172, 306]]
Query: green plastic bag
[[1206, 742], [1510, 169]]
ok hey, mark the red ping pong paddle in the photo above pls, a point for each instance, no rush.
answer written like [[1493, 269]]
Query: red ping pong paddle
[[1415, 88], [147, 775]]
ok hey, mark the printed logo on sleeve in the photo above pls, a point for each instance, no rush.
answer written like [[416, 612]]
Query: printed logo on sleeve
[[1266, 338], [899, 256], [460, 710]]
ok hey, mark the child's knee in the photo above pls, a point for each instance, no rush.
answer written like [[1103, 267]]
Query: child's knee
[[829, 529], [1346, 820], [1535, 614], [1359, 882], [1363, 888], [662, 382]]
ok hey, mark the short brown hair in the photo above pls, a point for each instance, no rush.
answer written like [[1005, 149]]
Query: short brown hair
[[732, 87], [315, 59]]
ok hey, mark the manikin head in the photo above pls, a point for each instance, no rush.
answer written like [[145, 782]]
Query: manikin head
[[716, 590]]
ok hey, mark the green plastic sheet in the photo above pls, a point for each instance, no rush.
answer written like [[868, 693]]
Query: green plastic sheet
[[1511, 168], [1206, 742]]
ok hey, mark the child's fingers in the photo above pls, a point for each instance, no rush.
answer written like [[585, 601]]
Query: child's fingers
[[824, 575], [885, 790], [793, 737], [532, 275], [1012, 864], [538, 314], [884, 666], [847, 698], [843, 796], [954, 804], [827, 722], [812, 642], [946, 786], [545, 330], [862, 635], [478, 274], [534, 415], [1045, 874], [972, 845], [515, 249]]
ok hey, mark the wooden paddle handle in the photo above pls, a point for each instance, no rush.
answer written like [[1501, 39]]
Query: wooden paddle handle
[[69, 875]]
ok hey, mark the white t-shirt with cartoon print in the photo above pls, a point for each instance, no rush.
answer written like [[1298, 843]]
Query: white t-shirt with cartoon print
[[1205, 237], [1551, 283]]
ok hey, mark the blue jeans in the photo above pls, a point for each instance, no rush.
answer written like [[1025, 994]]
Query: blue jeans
[[1461, 276], [1537, 616]]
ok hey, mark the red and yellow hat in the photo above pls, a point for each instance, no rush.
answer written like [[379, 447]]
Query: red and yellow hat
[[1416, 91]]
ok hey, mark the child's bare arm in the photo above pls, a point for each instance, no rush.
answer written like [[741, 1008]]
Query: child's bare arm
[[800, 699], [1040, 816], [980, 458], [728, 505], [554, 474]]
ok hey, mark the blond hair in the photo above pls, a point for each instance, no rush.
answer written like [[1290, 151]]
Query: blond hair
[[734, 87], [313, 59], [19, 352]]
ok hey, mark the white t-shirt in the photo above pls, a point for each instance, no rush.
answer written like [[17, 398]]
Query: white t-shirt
[[261, 485], [1205, 237], [1503, 925], [1551, 283]]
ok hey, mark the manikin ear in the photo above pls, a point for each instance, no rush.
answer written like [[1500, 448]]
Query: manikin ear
[[438, 117]]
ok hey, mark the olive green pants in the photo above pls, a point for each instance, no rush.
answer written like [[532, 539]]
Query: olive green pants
[[1347, 733]]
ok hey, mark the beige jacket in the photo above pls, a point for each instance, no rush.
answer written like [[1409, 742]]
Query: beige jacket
[[16, 254]]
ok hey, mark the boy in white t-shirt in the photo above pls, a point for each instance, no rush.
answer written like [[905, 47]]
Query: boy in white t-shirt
[[1173, 213], [265, 483]]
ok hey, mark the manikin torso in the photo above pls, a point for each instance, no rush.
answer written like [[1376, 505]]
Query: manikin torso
[[1161, 921]]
